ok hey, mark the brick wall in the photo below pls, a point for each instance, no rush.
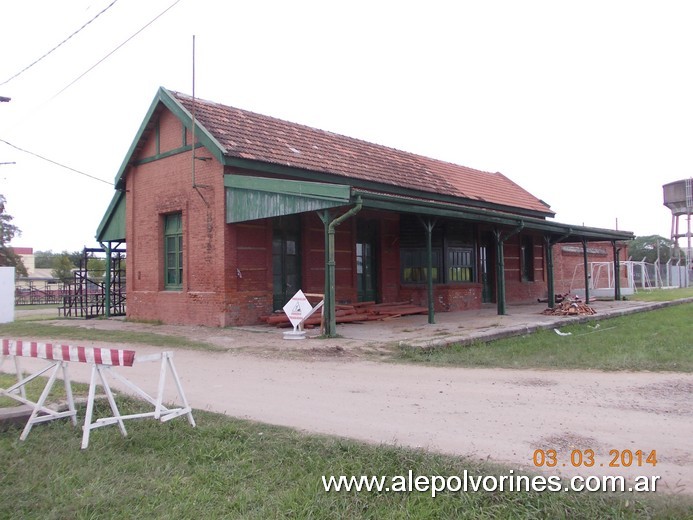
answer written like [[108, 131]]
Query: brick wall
[[518, 290], [165, 186], [460, 297], [569, 272]]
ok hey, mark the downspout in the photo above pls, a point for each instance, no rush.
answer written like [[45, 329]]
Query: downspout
[[500, 264], [617, 272], [585, 264], [330, 318]]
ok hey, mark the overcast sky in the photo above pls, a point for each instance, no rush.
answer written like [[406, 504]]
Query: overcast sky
[[588, 105]]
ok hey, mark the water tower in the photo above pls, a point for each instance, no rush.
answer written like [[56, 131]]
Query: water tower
[[678, 197]]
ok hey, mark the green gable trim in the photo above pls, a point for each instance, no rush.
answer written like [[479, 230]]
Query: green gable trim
[[201, 133], [158, 138], [163, 155], [112, 226], [165, 98], [252, 198]]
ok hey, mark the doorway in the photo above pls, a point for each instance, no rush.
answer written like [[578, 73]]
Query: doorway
[[486, 270], [366, 262], [286, 259]]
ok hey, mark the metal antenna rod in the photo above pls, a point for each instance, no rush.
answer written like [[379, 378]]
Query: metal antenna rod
[[193, 112]]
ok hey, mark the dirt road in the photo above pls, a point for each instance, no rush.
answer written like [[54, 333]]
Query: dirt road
[[332, 387], [497, 414]]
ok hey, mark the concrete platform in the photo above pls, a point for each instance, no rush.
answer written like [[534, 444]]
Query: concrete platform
[[450, 327], [477, 325], [15, 416]]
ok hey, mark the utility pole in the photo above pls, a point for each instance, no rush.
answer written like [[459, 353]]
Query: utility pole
[[4, 99]]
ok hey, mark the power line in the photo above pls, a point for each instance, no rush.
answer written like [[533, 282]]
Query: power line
[[60, 44], [114, 50], [54, 162]]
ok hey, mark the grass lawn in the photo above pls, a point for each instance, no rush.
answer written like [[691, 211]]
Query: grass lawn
[[660, 340], [228, 468], [36, 307], [662, 295]]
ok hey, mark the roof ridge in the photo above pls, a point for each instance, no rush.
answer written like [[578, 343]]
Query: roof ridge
[[330, 132]]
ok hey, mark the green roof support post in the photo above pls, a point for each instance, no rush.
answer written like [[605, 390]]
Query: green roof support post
[[586, 266], [326, 218], [428, 226], [500, 264], [330, 317], [549, 271], [549, 264], [107, 282], [617, 272]]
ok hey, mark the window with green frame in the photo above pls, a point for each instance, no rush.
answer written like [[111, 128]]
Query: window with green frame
[[414, 264], [173, 251], [452, 247], [460, 264]]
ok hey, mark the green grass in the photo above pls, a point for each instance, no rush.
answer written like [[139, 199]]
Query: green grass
[[660, 340], [36, 329], [662, 295], [35, 387], [228, 468], [45, 306]]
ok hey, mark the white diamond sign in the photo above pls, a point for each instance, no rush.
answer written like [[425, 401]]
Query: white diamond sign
[[297, 308]]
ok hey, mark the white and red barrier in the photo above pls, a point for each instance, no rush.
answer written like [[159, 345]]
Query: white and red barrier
[[100, 356], [102, 360]]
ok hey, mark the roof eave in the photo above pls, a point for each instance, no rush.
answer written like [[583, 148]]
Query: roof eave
[[564, 232], [312, 175]]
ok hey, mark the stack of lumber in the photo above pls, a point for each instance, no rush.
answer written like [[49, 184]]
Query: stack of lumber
[[355, 313], [570, 308]]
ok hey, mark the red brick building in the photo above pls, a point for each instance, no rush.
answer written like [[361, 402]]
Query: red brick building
[[228, 230]]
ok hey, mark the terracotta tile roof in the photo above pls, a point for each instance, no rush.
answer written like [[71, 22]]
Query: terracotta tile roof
[[248, 135]]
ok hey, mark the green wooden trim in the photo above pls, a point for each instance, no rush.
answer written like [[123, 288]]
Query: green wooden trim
[[316, 190], [566, 233], [252, 198], [164, 155], [310, 175], [549, 272], [112, 225], [408, 206], [429, 224], [201, 133], [173, 229], [157, 133], [165, 98], [120, 176]]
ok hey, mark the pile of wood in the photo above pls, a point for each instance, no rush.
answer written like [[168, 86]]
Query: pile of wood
[[356, 313], [570, 307]]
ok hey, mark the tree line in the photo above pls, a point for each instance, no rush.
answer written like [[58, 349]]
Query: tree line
[[63, 264]]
